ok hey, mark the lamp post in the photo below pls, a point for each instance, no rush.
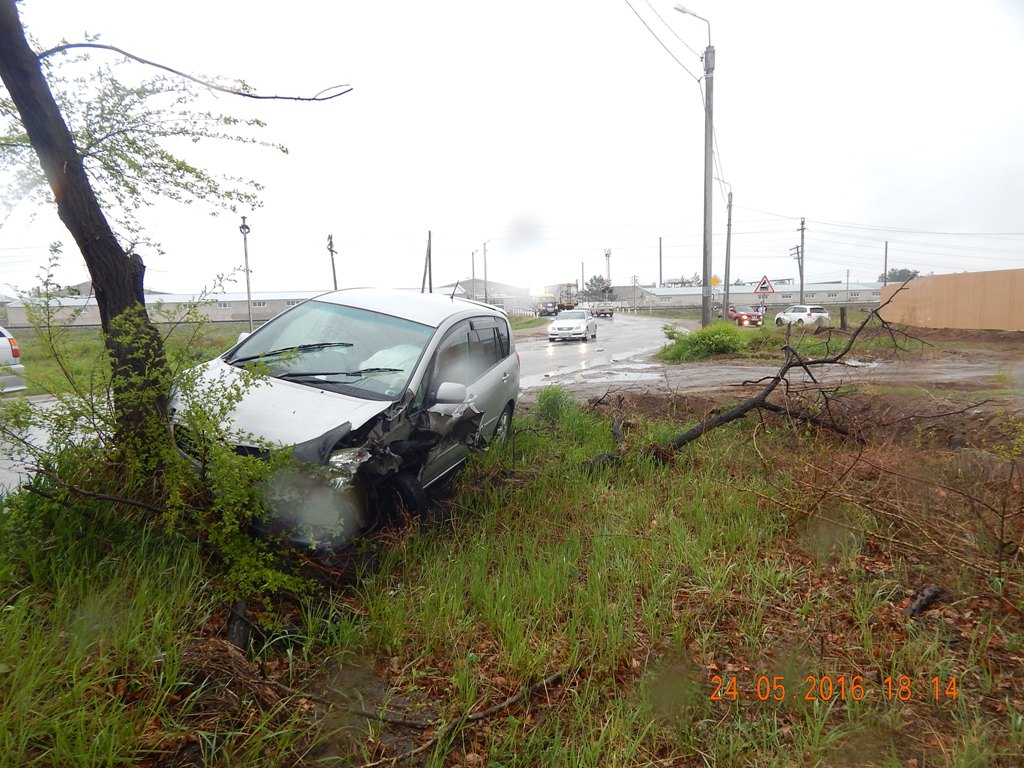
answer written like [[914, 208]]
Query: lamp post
[[245, 229], [728, 244], [709, 79], [487, 299]]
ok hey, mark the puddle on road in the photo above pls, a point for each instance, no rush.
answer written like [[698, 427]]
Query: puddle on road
[[636, 372]]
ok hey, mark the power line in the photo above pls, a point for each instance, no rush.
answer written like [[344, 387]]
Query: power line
[[661, 42], [670, 29]]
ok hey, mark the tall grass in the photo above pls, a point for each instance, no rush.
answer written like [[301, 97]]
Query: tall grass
[[642, 579]]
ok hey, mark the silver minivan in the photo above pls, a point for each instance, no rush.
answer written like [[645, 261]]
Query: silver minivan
[[384, 391]]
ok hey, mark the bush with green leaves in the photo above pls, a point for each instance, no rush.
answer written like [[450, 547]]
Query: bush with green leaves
[[715, 339], [86, 459]]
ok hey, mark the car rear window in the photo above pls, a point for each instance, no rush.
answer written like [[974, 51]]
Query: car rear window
[[817, 309]]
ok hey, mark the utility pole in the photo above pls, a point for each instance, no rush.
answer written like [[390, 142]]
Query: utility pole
[[473, 273], [709, 134], [709, 81], [608, 266], [802, 254], [583, 281], [330, 250], [795, 252], [426, 268], [885, 265], [486, 299], [661, 282], [728, 247]]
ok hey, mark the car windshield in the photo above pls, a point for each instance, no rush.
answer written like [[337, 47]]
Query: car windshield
[[572, 314], [344, 349], [744, 309]]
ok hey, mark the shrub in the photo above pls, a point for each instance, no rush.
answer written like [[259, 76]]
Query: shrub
[[715, 339]]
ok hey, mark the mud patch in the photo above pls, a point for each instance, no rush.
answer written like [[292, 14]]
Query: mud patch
[[366, 717]]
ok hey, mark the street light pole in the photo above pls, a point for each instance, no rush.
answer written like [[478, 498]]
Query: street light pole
[[486, 297], [472, 267], [728, 245], [245, 229], [709, 83]]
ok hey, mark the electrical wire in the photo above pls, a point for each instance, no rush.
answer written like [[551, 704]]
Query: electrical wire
[[661, 42]]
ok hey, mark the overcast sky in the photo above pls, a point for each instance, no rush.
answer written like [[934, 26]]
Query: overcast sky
[[554, 129]]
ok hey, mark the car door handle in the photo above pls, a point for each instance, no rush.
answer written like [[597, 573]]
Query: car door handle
[[504, 376]]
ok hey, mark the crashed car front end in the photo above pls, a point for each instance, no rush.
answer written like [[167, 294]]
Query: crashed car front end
[[337, 484]]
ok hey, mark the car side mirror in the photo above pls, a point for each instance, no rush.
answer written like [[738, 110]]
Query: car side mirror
[[450, 392]]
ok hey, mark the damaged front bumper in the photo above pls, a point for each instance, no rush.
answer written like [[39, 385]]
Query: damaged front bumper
[[340, 480]]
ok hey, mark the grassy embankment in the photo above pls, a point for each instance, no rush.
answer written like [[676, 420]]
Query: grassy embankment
[[653, 583]]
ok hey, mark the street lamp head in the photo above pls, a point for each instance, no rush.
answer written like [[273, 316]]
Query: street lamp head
[[688, 12], [245, 229]]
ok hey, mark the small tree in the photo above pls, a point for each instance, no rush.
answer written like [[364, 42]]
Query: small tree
[[895, 275], [598, 288], [113, 160]]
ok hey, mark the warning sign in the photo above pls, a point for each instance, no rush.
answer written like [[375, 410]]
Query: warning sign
[[765, 286]]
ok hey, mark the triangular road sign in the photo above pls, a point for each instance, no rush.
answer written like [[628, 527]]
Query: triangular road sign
[[765, 286]]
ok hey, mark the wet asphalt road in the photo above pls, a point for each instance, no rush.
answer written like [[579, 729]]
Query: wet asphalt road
[[622, 339]]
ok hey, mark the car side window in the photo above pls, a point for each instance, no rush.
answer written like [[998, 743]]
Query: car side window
[[452, 358], [468, 351]]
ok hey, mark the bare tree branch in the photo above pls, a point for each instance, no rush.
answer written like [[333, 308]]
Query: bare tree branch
[[324, 95]]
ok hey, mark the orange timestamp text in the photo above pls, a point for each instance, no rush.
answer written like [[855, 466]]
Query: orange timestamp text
[[832, 688]]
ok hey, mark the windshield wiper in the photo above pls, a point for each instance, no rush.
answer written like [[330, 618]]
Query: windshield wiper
[[360, 372], [285, 350]]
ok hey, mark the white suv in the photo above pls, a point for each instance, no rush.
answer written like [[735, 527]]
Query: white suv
[[802, 314], [12, 372]]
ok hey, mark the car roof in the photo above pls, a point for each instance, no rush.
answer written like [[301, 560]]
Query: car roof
[[426, 308]]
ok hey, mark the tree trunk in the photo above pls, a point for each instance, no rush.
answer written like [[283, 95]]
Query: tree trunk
[[140, 383]]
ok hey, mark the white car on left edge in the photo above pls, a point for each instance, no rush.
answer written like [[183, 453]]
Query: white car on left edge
[[382, 392], [12, 372], [573, 324]]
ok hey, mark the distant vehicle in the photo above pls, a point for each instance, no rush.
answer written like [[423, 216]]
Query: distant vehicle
[[602, 309], [566, 298], [744, 315], [12, 372], [803, 314], [573, 324], [547, 308]]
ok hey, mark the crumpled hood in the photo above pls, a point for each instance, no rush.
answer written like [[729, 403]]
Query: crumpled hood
[[285, 413]]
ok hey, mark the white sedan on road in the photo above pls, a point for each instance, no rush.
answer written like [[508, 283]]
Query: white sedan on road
[[573, 324]]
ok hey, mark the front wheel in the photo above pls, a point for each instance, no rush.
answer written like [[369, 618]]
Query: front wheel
[[503, 427], [800, 321], [778, 321]]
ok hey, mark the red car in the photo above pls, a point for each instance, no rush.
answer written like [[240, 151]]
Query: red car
[[744, 314]]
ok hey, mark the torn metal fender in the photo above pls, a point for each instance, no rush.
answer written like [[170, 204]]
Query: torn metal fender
[[457, 423]]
